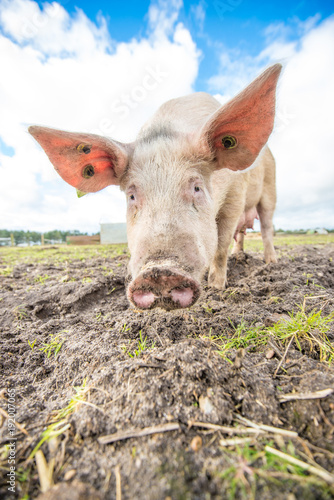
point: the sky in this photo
(74, 64)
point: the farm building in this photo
(113, 233)
(5, 241)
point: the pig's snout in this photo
(161, 287)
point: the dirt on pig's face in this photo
(172, 233)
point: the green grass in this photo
(11, 256)
(207, 308)
(125, 328)
(244, 336)
(255, 245)
(54, 346)
(311, 327)
(253, 464)
(87, 279)
(42, 279)
(60, 424)
(303, 329)
(6, 271)
(20, 312)
(32, 344)
(142, 346)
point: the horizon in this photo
(88, 233)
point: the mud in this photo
(178, 376)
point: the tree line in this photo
(33, 237)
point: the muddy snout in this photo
(163, 287)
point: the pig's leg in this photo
(226, 225)
(266, 208)
(266, 212)
(267, 232)
(238, 245)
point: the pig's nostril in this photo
(165, 287)
(143, 299)
(183, 296)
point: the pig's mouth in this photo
(161, 287)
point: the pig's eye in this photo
(197, 189)
(229, 142)
(132, 197)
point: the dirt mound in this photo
(186, 378)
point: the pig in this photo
(196, 176)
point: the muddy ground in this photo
(135, 370)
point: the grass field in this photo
(11, 256)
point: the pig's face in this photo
(165, 175)
(171, 225)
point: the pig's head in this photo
(166, 176)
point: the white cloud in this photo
(198, 11)
(65, 72)
(294, 28)
(162, 17)
(235, 72)
(51, 30)
(302, 141)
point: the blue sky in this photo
(235, 24)
(70, 64)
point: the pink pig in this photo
(187, 194)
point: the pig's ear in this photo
(237, 132)
(86, 161)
